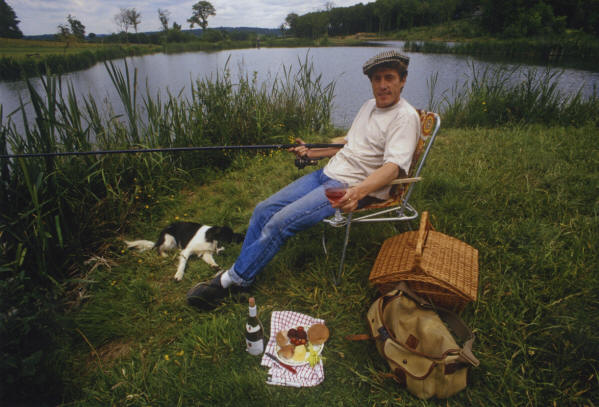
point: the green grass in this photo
(525, 196)
(21, 48)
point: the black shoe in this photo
(209, 294)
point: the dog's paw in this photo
(179, 276)
(219, 249)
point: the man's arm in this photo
(302, 151)
(378, 179)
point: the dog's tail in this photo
(141, 245)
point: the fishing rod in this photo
(300, 162)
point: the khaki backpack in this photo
(421, 351)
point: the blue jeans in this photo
(296, 207)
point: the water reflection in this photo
(174, 73)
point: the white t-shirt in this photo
(376, 137)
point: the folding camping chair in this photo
(397, 208)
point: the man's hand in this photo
(301, 150)
(378, 179)
(349, 201)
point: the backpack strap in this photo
(453, 321)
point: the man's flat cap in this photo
(384, 57)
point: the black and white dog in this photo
(192, 238)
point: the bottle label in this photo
(255, 347)
(251, 329)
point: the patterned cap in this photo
(384, 57)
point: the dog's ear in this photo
(227, 234)
(220, 233)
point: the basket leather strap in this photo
(358, 337)
(425, 226)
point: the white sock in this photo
(225, 279)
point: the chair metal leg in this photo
(324, 241)
(337, 277)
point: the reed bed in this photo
(499, 95)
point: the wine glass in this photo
(334, 194)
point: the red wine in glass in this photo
(334, 194)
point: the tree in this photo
(8, 22)
(64, 32)
(201, 11)
(163, 16)
(134, 18)
(77, 29)
(122, 20)
(291, 22)
(382, 9)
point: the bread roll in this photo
(282, 338)
(318, 334)
(286, 352)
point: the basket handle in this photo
(425, 226)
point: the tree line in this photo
(505, 18)
(125, 19)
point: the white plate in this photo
(291, 362)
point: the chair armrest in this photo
(398, 181)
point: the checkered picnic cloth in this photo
(306, 376)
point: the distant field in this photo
(28, 58)
(28, 48)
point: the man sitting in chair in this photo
(378, 148)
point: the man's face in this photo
(386, 86)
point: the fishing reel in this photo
(301, 162)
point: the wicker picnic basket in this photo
(438, 267)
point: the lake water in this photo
(175, 73)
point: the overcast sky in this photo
(43, 16)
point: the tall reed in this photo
(492, 96)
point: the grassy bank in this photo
(552, 50)
(27, 58)
(525, 196)
(464, 37)
(85, 323)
